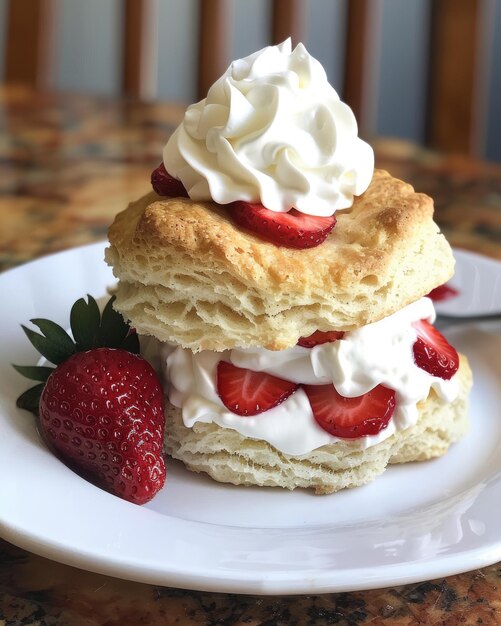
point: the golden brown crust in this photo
(384, 253)
(361, 243)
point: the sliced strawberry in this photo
(166, 185)
(433, 353)
(246, 392)
(292, 229)
(443, 292)
(319, 337)
(350, 418)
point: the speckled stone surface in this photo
(67, 165)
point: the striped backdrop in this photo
(87, 49)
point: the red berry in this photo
(246, 392)
(433, 353)
(350, 418)
(443, 292)
(319, 337)
(166, 185)
(292, 229)
(102, 411)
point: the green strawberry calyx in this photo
(89, 329)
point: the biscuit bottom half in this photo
(227, 456)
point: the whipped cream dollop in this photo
(379, 353)
(272, 130)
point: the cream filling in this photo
(379, 353)
(272, 130)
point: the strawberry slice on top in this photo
(166, 185)
(319, 337)
(246, 392)
(350, 418)
(292, 229)
(433, 353)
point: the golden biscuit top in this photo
(189, 275)
(384, 218)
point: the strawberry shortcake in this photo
(284, 281)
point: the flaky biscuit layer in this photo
(229, 457)
(189, 275)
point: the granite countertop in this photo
(68, 164)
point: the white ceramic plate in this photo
(416, 522)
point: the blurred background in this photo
(424, 70)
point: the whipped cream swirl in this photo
(379, 353)
(272, 130)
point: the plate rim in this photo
(324, 581)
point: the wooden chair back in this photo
(457, 61)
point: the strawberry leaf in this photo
(34, 372)
(131, 343)
(84, 321)
(90, 330)
(30, 399)
(113, 328)
(55, 344)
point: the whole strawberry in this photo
(101, 408)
